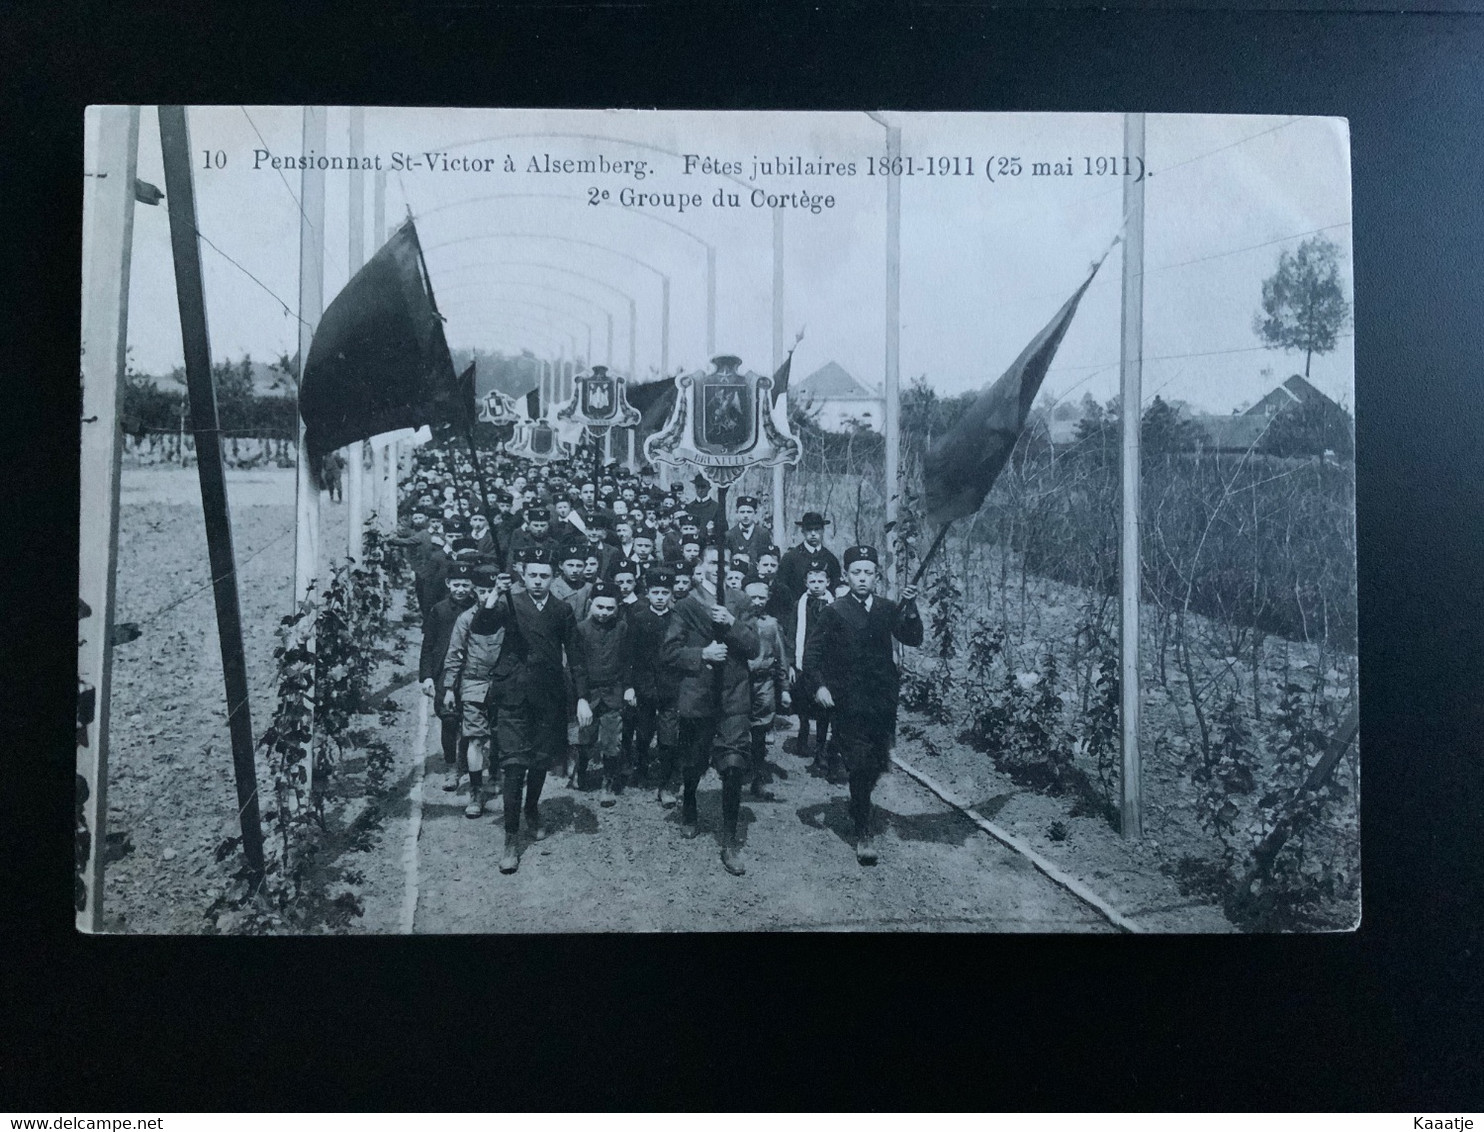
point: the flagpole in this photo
(931, 551)
(779, 533)
(311, 306)
(384, 454)
(175, 151)
(356, 256)
(891, 425)
(1129, 562)
(109, 212)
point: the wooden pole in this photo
(386, 482)
(891, 425)
(779, 533)
(1129, 565)
(108, 228)
(175, 150)
(355, 505)
(311, 306)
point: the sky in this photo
(542, 260)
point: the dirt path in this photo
(627, 868)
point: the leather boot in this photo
(731, 853)
(509, 854)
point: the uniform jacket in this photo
(473, 646)
(437, 628)
(530, 668)
(792, 568)
(691, 629)
(523, 540)
(751, 545)
(607, 660)
(703, 511)
(416, 548)
(851, 655)
(577, 597)
(769, 669)
(652, 680)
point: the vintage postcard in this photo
(506, 521)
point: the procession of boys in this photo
(587, 629)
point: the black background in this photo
(1387, 1018)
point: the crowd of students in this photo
(594, 625)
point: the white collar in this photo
(542, 603)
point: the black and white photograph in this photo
(578, 521)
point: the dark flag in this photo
(962, 465)
(780, 378)
(379, 360)
(533, 404)
(654, 400)
(454, 408)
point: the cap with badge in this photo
(537, 556)
(660, 576)
(623, 566)
(461, 546)
(538, 515)
(574, 552)
(645, 534)
(770, 549)
(861, 554)
(603, 589)
(460, 571)
(485, 577)
(747, 501)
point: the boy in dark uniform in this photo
(655, 686)
(710, 640)
(852, 664)
(797, 558)
(528, 690)
(609, 688)
(748, 537)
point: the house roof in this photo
(831, 380)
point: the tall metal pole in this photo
(175, 149)
(112, 153)
(665, 326)
(1131, 391)
(633, 338)
(356, 256)
(710, 301)
(780, 535)
(891, 390)
(311, 306)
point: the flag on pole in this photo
(379, 360)
(654, 400)
(533, 404)
(962, 465)
(780, 378)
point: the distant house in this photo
(837, 400)
(1294, 391)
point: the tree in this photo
(1303, 304)
(1163, 430)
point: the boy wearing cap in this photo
(473, 650)
(570, 586)
(854, 669)
(607, 680)
(796, 558)
(531, 537)
(748, 536)
(709, 642)
(703, 507)
(655, 687)
(437, 628)
(528, 689)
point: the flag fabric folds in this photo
(379, 359)
(962, 465)
(533, 404)
(654, 400)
